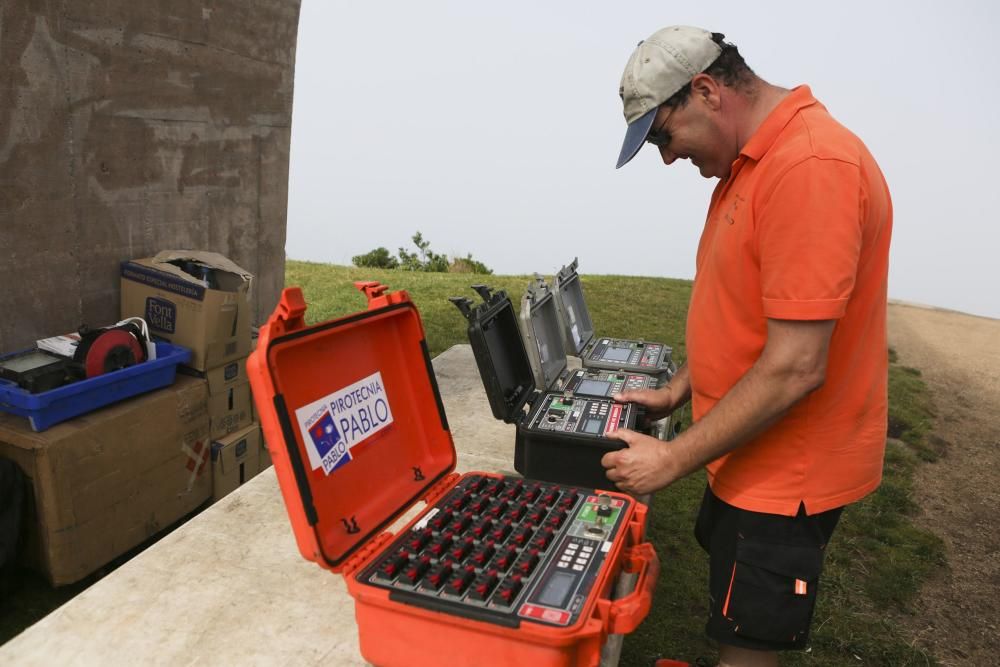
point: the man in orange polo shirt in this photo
(787, 357)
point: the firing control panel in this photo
(627, 353)
(505, 550)
(581, 415)
(593, 382)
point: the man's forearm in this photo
(680, 387)
(788, 370)
(755, 402)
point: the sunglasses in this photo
(658, 136)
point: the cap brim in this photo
(635, 136)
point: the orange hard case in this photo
(340, 519)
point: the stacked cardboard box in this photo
(236, 459)
(201, 300)
(108, 480)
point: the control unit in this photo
(561, 436)
(594, 416)
(601, 352)
(543, 337)
(504, 548)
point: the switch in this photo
(415, 570)
(462, 548)
(498, 508)
(462, 523)
(460, 580)
(419, 539)
(436, 576)
(522, 535)
(483, 585)
(481, 528)
(391, 567)
(442, 519)
(438, 547)
(482, 555)
(604, 506)
(508, 591)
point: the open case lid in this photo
(355, 404)
(543, 333)
(578, 328)
(500, 353)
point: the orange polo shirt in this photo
(798, 231)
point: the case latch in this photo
(566, 272)
(484, 292)
(376, 294)
(372, 289)
(290, 313)
(537, 289)
(463, 304)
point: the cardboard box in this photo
(210, 315)
(235, 459)
(109, 480)
(230, 403)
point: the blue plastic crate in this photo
(56, 405)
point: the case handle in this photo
(628, 612)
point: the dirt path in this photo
(958, 613)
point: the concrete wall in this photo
(128, 127)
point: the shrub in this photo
(468, 265)
(378, 258)
(424, 259)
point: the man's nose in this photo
(667, 155)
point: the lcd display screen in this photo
(555, 591)
(28, 361)
(592, 426)
(593, 388)
(617, 353)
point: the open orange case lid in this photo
(352, 414)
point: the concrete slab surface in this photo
(229, 587)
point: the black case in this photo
(565, 458)
(581, 338)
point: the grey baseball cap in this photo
(658, 68)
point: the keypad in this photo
(575, 557)
(484, 544)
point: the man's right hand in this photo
(658, 402)
(661, 402)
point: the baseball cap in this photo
(658, 68)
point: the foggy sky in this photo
(493, 129)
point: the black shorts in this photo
(764, 573)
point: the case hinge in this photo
(360, 557)
(443, 486)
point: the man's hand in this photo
(644, 466)
(661, 402)
(658, 402)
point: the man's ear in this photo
(706, 89)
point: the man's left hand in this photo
(644, 466)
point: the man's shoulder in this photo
(814, 133)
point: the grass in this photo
(910, 413)
(877, 558)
